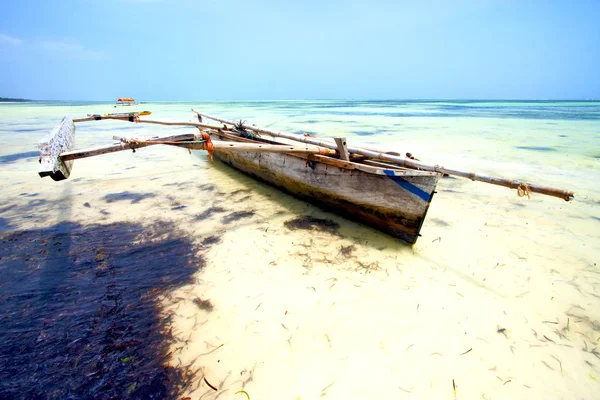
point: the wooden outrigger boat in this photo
(381, 189)
(390, 198)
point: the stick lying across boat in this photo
(381, 189)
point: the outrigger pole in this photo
(523, 188)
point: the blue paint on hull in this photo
(408, 186)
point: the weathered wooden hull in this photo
(394, 202)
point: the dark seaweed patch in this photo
(207, 187)
(79, 311)
(235, 216)
(536, 148)
(312, 223)
(243, 199)
(209, 212)
(124, 196)
(596, 218)
(7, 208)
(178, 184)
(205, 304)
(37, 202)
(210, 240)
(346, 251)
(18, 156)
(240, 191)
(29, 194)
(176, 205)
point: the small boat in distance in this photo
(126, 101)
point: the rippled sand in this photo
(500, 296)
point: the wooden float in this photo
(380, 189)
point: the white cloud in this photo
(10, 40)
(67, 48)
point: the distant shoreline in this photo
(410, 100)
(9, 100)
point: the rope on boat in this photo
(524, 190)
(207, 143)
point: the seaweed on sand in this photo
(208, 213)
(238, 191)
(203, 304)
(311, 223)
(80, 313)
(210, 240)
(234, 216)
(347, 251)
(124, 196)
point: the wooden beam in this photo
(342, 149)
(60, 140)
(97, 151)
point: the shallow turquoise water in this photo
(491, 257)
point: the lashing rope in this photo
(524, 190)
(207, 144)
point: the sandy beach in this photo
(499, 298)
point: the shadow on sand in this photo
(80, 313)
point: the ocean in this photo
(162, 272)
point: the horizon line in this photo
(18, 99)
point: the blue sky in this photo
(267, 49)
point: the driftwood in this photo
(522, 187)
